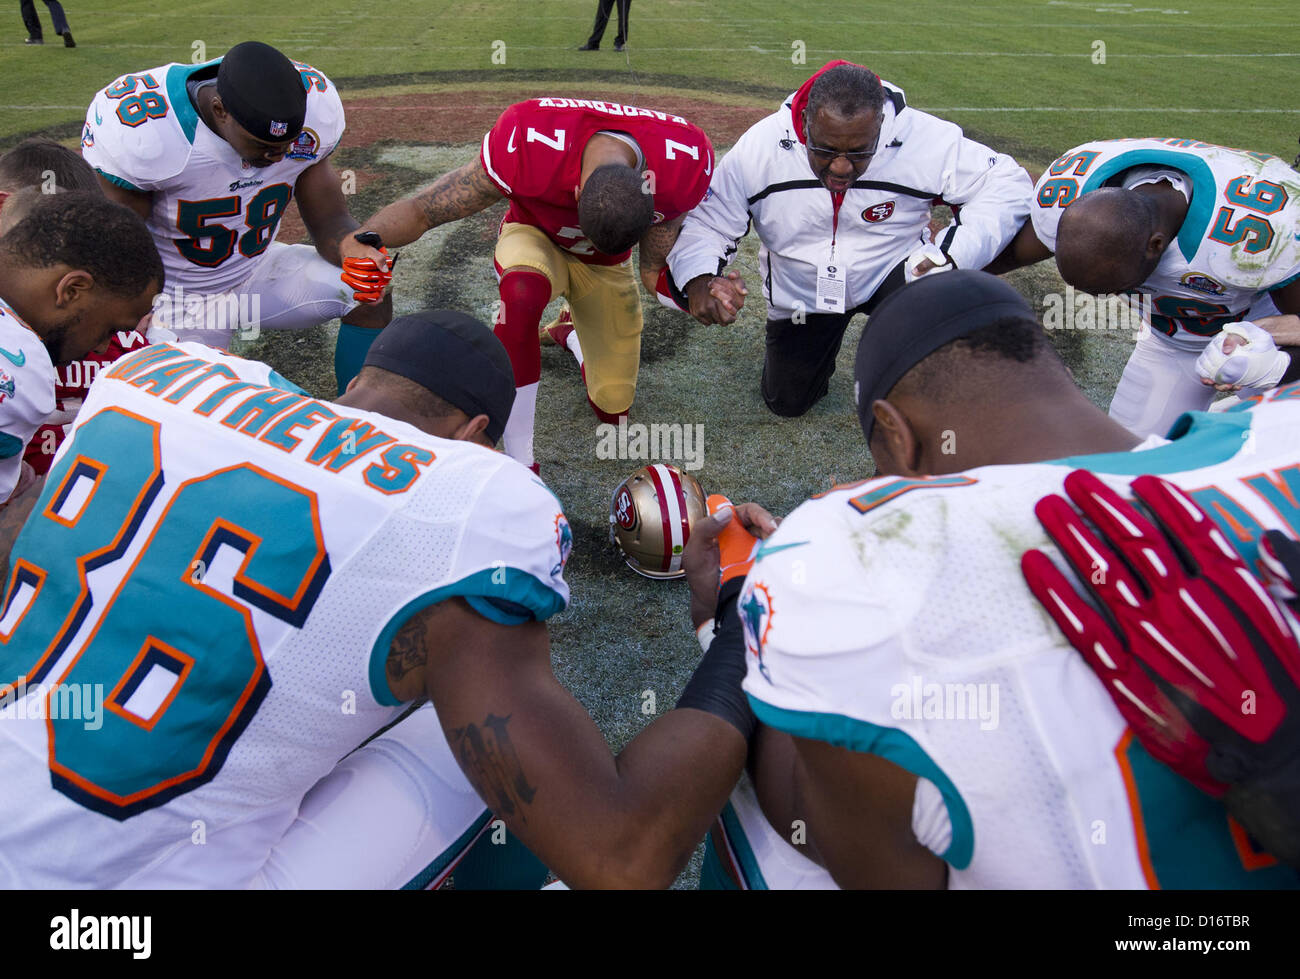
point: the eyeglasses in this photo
(824, 155)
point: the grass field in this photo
(1022, 76)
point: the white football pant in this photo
(293, 289)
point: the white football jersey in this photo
(891, 617)
(26, 393)
(1239, 238)
(213, 216)
(212, 582)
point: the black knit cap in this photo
(263, 91)
(918, 319)
(454, 356)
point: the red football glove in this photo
(1199, 660)
(366, 279)
(1280, 556)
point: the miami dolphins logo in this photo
(563, 541)
(6, 386)
(756, 617)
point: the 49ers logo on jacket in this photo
(878, 212)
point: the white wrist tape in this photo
(925, 252)
(1255, 363)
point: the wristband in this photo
(714, 687)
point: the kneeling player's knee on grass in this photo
(621, 394)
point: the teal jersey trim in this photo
(1201, 439)
(519, 587)
(499, 610)
(284, 384)
(754, 878)
(886, 742)
(1284, 283)
(118, 181)
(1205, 193)
(186, 115)
(431, 873)
(492, 864)
(10, 445)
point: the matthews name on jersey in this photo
(223, 563)
(891, 617)
(213, 217)
(534, 156)
(1239, 238)
(920, 160)
(26, 393)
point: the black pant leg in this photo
(800, 357)
(56, 14)
(799, 361)
(624, 10)
(893, 281)
(602, 19)
(30, 20)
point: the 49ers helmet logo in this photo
(624, 511)
(878, 212)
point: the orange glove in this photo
(366, 279)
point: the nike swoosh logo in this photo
(17, 359)
(98, 120)
(510, 143)
(764, 550)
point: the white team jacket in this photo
(765, 179)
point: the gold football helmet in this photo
(650, 518)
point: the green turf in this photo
(1223, 68)
(1017, 74)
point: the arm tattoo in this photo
(457, 195)
(408, 651)
(489, 759)
(658, 242)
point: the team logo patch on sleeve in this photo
(305, 146)
(756, 617)
(87, 135)
(6, 386)
(563, 541)
(878, 212)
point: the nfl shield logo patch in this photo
(879, 212)
(279, 128)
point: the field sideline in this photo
(420, 85)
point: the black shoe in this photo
(618, 46)
(586, 47)
(34, 40)
(68, 42)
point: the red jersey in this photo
(534, 156)
(72, 382)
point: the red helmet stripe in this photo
(682, 508)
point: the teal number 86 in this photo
(162, 628)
